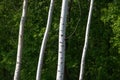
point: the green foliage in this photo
(102, 61)
(112, 16)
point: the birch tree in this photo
(86, 42)
(40, 62)
(20, 41)
(61, 51)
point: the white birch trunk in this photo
(20, 41)
(61, 51)
(40, 62)
(86, 42)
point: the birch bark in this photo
(20, 41)
(61, 51)
(40, 62)
(86, 41)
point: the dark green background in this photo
(103, 54)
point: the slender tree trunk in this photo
(20, 41)
(86, 42)
(40, 62)
(61, 51)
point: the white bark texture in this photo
(40, 62)
(61, 51)
(86, 42)
(20, 41)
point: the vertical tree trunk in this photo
(86, 42)
(40, 62)
(20, 41)
(61, 51)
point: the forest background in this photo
(103, 54)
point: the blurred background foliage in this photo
(103, 54)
